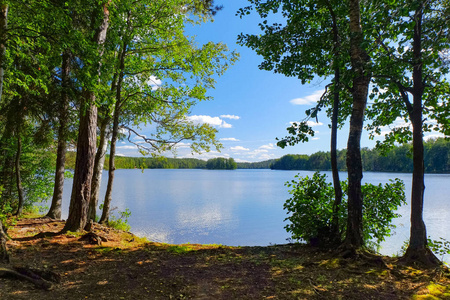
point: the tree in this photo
(360, 87)
(55, 208)
(150, 43)
(312, 40)
(86, 143)
(220, 163)
(415, 66)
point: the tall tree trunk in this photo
(418, 249)
(86, 145)
(98, 167)
(3, 35)
(55, 208)
(361, 80)
(84, 164)
(18, 177)
(112, 152)
(334, 127)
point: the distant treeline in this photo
(123, 162)
(398, 159)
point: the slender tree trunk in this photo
(112, 151)
(112, 167)
(418, 249)
(334, 127)
(112, 154)
(98, 168)
(3, 27)
(86, 146)
(18, 177)
(55, 208)
(361, 80)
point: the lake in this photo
(241, 207)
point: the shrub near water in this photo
(310, 209)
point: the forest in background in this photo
(398, 159)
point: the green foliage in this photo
(120, 222)
(440, 247)
(379, 205)
(221, 163)
(310, 209)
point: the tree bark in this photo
(112, 151)
(334, 127)
(361, 80)
(98, 168)
(81, 190)
(18, 176)
(3, 36)
(418, 250)
(55, 208)
(112, 167)
(112, 154)
(4, 255)
(87, 136)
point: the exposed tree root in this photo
(368, 258)
(420, 257)
(41, 279)
(4, 256)
(93, 238)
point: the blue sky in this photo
(252, 107)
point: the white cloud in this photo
(229, 139)
(127, 147)
(233, 117)
(433, 136)
(183, 145)
(214, 121)
(315, 139)
(312, 123)
(311, 99)
(154, 82)
(239, 148)
(258, 151)
(268, 147)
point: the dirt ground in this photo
(127, 267)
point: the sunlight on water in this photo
(242, 207)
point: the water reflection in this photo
(242, 207)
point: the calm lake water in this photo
(241, 207)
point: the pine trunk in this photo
(86, 145)
(81, 189)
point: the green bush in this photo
(121, 222)
(310, 210)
